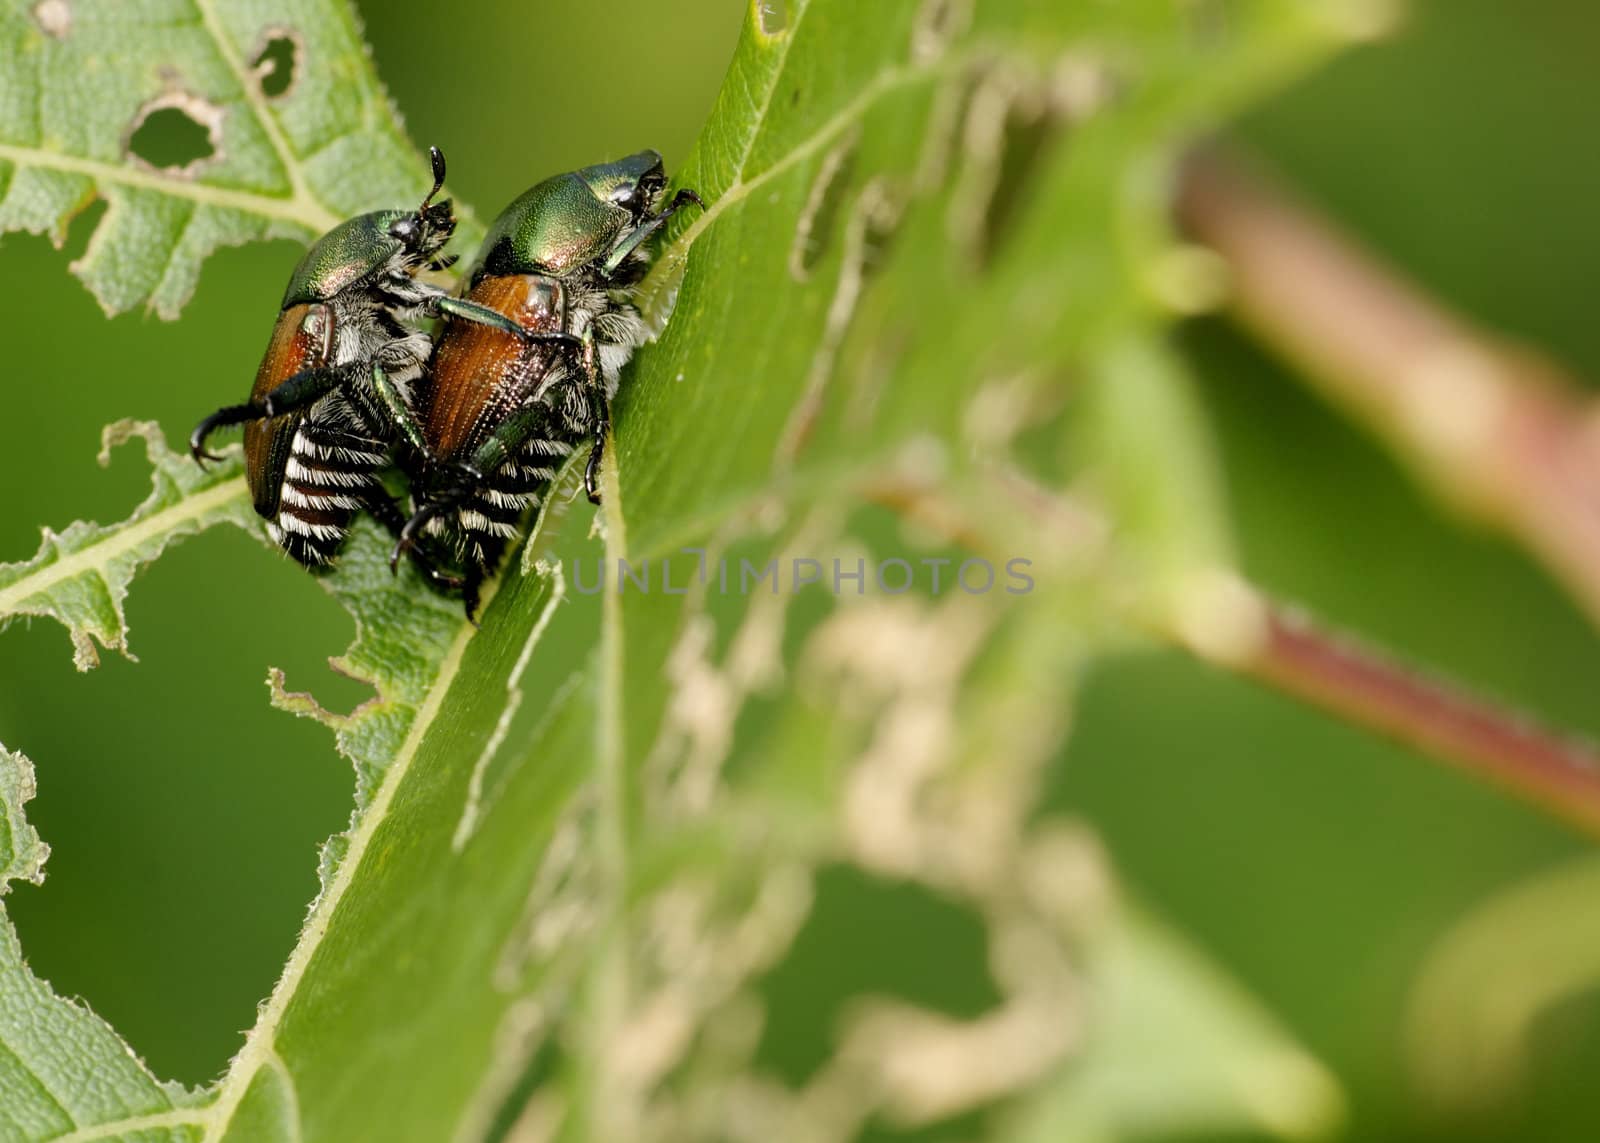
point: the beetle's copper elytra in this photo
(501, 410)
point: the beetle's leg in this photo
(502, 445)
(684, 197)
(469, 592)
(411, 531)
(464, 310)
(293, 393)
(641, 233)
(399, 409)
(221, 419)
(305, 388)
(388, 513)
(384, 510)
(600, 413)
(436, 575)
(434, 504)
(446, 306)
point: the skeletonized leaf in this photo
(88, 81)
(80, 576)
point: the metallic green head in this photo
(357, 249)
(572, 220)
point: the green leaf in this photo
(84, 79)
(1510, 962)
(923, 319)
(61, 1067)
(1179, 1049)
(80, 576)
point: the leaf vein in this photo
(255, 100)
(98, 555)
(177, 1117)
(260, 1045)
(302, 211)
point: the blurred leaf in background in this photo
(1321, 867)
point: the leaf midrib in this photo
(302, 211)
(95, 557)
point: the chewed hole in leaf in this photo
(176, 134)
(819, 220)
(938, 23)
(882, 207)
(133, 926)
(74, 229)
(277, 63)
(1031, 132)
(54, 18)
(773, 16)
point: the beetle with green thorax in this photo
(336, 380)
(497, 413)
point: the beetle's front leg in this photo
(640, 234)
(600, 412)
(463, 310)
(399, 409)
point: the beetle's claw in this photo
(408, 538)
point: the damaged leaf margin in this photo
(49, 1044)
(80, 576)
(82, 77)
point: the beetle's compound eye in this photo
(405, 229)
(639, 194)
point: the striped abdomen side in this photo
(489, 517)
(330, 474)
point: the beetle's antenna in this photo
(437, 156)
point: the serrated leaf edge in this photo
(161, 527)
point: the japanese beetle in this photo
(498, 413)
(334, 385)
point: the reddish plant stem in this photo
(1235, 627)
(1438, 719)
(1498, 430)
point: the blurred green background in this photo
(1316, 864)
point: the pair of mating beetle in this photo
(522, 371)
